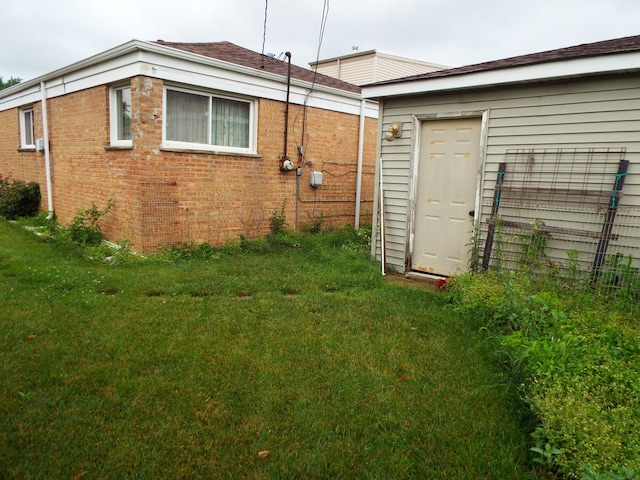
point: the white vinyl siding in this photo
(358, 70)
(388, 68)
(329, 69)
(373, 67)
(590, 113)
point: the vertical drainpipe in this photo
(285, 165)
(356, 221)
(47, 155)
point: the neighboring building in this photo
(564, 123)
(189, 143)
(372, 66)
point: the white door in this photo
(446, 194)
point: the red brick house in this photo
(191, 142)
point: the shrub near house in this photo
(572, 355)
(18, 198)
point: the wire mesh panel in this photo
(159, 215)
(561, 209)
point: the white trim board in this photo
(158, 61)
(557, 70)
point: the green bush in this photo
(85, 229)
(18, 198)
(278, 220)
(574, 361)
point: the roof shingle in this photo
(607, 47)
(231, 53)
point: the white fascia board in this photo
(245, 82)
(20, 98)
(614, 63)
(114, 53)
(114, 65)
(112, 72)
(146, 58)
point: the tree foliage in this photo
(9, 83)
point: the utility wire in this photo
(264, 29)
(323, 26)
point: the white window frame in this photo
(27, 123)
(174, 144)
(114, 118)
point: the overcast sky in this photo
(39, 36)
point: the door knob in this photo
(472, 213)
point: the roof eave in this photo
(549, 71)
(143, 46)
(203, 59)
(125, 48)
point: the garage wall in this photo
(581, 114)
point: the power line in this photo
(264, 28)
(323, 25)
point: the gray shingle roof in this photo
(607, 47)
(231, 53)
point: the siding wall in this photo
(373, 67)
(388, 68)
(357, 70)
(590, 113)
(163, 197)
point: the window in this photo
(121, 116)
(27, 138)
(198, 120)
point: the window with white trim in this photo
(27, 137)
(207, 121)
(121, 116)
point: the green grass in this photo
(188, 369)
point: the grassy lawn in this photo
(189, 369)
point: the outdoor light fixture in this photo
(393, 131)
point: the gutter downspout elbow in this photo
(47, 154)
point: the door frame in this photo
(417, 122)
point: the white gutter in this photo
(47, 155)
(556, 70)
(356, 222)
(171, 52)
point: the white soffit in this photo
(150, 59)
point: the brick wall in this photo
(25, 165)
(161, 198)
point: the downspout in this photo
(356, 221)
(47, 155)
(285, 163)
